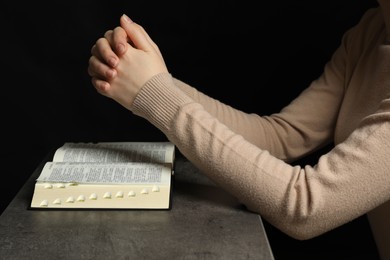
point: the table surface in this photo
(204, 222)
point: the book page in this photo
(159, 152)
(106, 173)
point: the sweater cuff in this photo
(159, 100)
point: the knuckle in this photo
(140, 27)
(118, 29)
(93, 49)
(108, 33)
(100, 42)
(91, 61)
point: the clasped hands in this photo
(123, 61)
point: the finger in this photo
(100, 70)
(100, 85)
(151, 42)
(94, 52)
(104, 51)
(119, 40)
(135, 34)
(108, 35)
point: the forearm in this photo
(288, 135)
(302, 202)
(250, 126)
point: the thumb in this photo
(135, 34)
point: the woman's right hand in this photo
(123, 61)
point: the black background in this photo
(254, 55)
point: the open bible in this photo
(117, 175)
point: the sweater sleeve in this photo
(301, 127)
(303, 202)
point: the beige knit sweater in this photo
(251, 155)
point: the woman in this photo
(249, 155)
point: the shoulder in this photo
(370, 27)
(368, 32)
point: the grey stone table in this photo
(204, 222)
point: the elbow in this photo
(302, 233)
(305, 228)
(299, 227)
